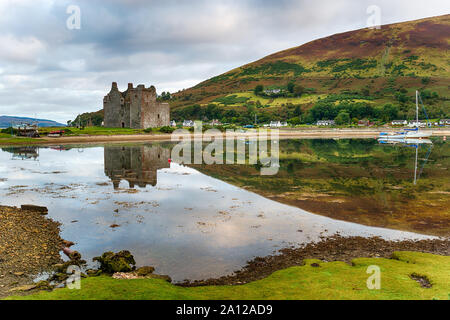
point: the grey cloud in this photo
(59, 73)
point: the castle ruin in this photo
(134, 108)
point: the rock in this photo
(62, 267)
(67, 244)
(60, 277)
(157, 276)
(23, 288)
(93, 273)
(73, 255)
(59, 267)
(30, 207)
(125, 275)
(144, 271)
(44, 285)
(111, 262)
(134, 275)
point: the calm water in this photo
(185, 223)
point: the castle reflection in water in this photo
(136, 164)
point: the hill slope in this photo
(386, 65)
(6, 121)
(90, 118)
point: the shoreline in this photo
(18, 271)
(407, 263)
(283, 134)
(330, 249)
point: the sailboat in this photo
(409, 133)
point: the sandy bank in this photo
(283, 134)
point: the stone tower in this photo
(134, 108)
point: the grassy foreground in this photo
(332, 280)
(6, 139)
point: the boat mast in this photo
(417, 108)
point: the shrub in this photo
(425, 81)
(8, 130)
(166, 129)
(342, 118)
(258, 89)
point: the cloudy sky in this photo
(51, 71)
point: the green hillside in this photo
(366, 74)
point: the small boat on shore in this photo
(56, 134)
(415, 133)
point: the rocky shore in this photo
(29, 244)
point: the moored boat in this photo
(415, 133)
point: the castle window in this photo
(123, 124)
(158, 116)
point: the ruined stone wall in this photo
(114, 108)
(158, 115)
(135, 97)
(154, 113)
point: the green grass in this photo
(7, 139)
(231, 100)
(332, 280)
(275, 68)
(92, 131)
